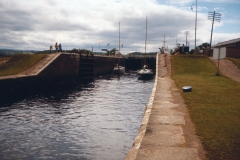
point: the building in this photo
(183, 49)
(230, 48)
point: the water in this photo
(98, 121)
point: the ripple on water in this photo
(96, 121)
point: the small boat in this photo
(119, 69)
(145, 73)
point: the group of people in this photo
(57, 48)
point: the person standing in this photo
(60, 47)
(56, 47)
(50, 49)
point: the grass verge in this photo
(235, 61)
(19, 63)
(213, 104)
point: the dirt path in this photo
(228, 68)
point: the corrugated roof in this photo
(227, 42)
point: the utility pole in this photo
(213, 16)
(186, 32)
(195, 27)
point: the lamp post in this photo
(195, 27)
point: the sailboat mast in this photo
(146, 36)
(119, 38)
(145, 42)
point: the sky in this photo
(94, 24)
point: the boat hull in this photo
(119, 70)
(145, 74)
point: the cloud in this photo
(223, 1)
(82, 24)
(15, 23)
(51, 2)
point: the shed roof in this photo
(227, 42)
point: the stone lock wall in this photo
(104, 65)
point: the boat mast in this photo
(119, 38)
(145, 42)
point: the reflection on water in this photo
(95, 121)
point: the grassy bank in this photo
(19, 63)
(235, 61)
(213, 104)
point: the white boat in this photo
(119, 69)
(145, 73)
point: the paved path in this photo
(167, 132)
(36, 68)
(228, 68)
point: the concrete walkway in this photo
(166, 132)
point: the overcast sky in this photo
(37, 24)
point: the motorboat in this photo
(145, 73)
(119, 69)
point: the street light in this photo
(195, 26)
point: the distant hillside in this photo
(9, 52)
(141, 54)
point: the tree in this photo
(81, 51)
(192, 51)
(204, 45)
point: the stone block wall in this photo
(66, 65)
(104, 65)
